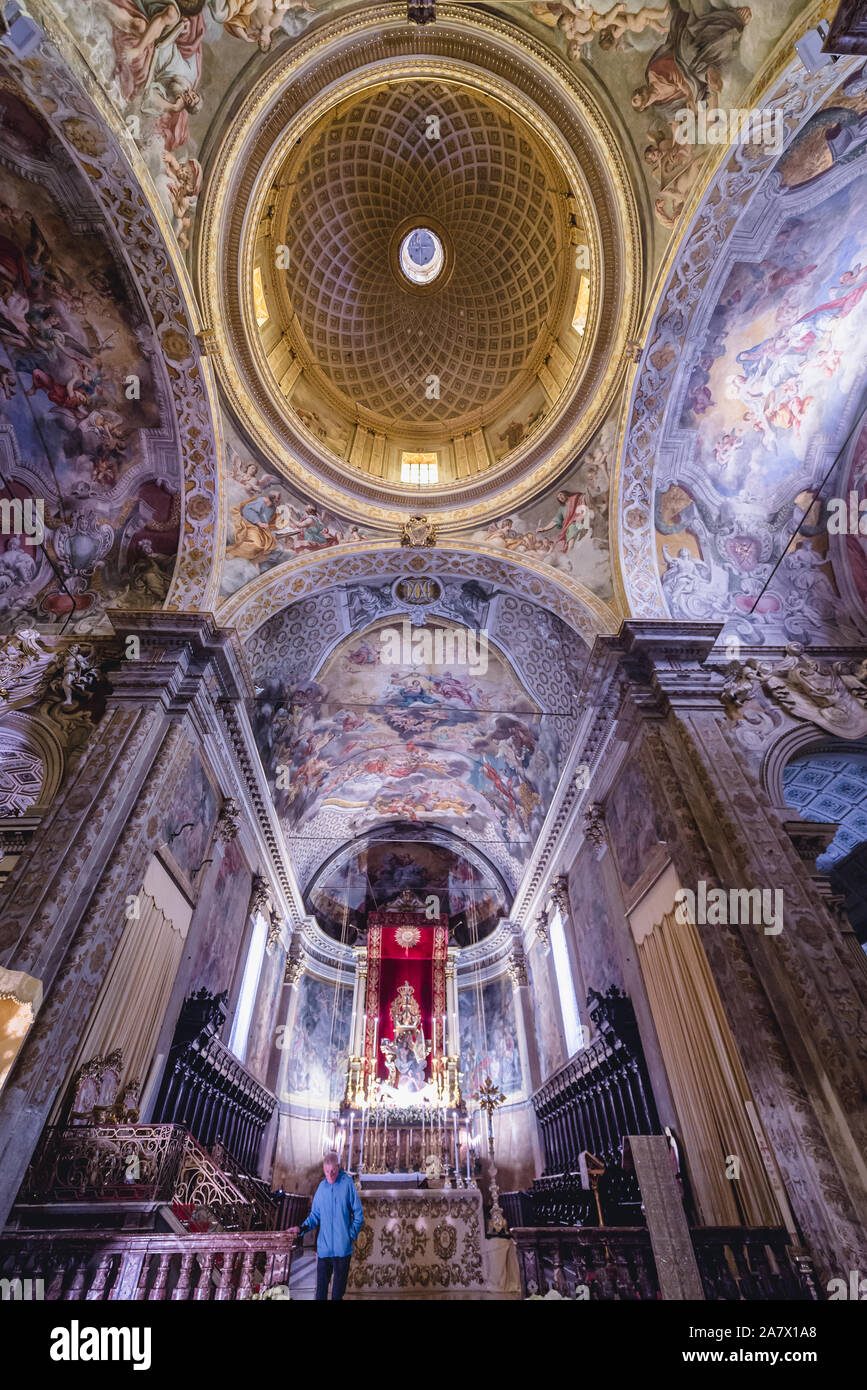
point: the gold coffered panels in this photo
(506, 366)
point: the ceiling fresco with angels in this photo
(86, 439)
(408, 865)
(424, 724)
(760, 427)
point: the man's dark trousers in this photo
(338, 1265)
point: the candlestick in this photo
(375, 1056)
(468, 1150)
(457, 1149)
(363, 1119)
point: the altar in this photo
(403, 1112)
(428, 1243)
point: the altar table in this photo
(429, 1243)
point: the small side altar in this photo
(418, 1243)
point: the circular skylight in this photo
(421, 256)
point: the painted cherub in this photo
(581, 23)
(255, 21)
(184, 184)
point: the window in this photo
(421, 256)
(422, 470)
(249, 986)
(582, 306)
(262, 315)
(572, 1029)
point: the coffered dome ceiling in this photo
(438, 156)
(484, 372)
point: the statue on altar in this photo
(407, 1052)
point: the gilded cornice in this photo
(356, 51)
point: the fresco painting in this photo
(225, 910)
(319, 1043)
(660, 59)
(568, 529)
(594, 924)
(371, 741)
(269, 522)
(546, 1012)
(772, 386)
(186, 830)
(79, 404)
(371, 877)
(166, 64)
(489, 1038)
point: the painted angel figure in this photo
(582, 22)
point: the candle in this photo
(363, 1119)
(457, 1147)
(351, 1132)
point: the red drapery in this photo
(404, 948)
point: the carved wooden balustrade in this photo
(611, 1262)
(616, 1262)
(600, 1095)
(144, 1166)
(148, 1267)
(207, 1090)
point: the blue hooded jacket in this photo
(337, 1212)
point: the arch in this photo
(261, 599)
(693, 264)
(34, 735)
(93, 136)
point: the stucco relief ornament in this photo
(294, 970)
(23, 663)
(517, 970)
(275, 934)
(541, 928)
(834, 697)
(228, 821)
(418, 532)
(594, 826)
(260, 898)
(558, 895)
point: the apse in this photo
(442, 871)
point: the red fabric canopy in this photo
(404, 948)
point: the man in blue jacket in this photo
(337, 1212)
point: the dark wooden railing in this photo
(600, 1095)
(128, 1167)
(602, 1262)
(208, 1091)
(113, 1266)
(616, 1262)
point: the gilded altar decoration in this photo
(407, 936)
(405, 1012)
(406, 1053)
(419, 531)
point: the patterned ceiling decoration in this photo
(335, 366)
(435, 154)
(751, 382)
(831, 787)
(22, 773)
